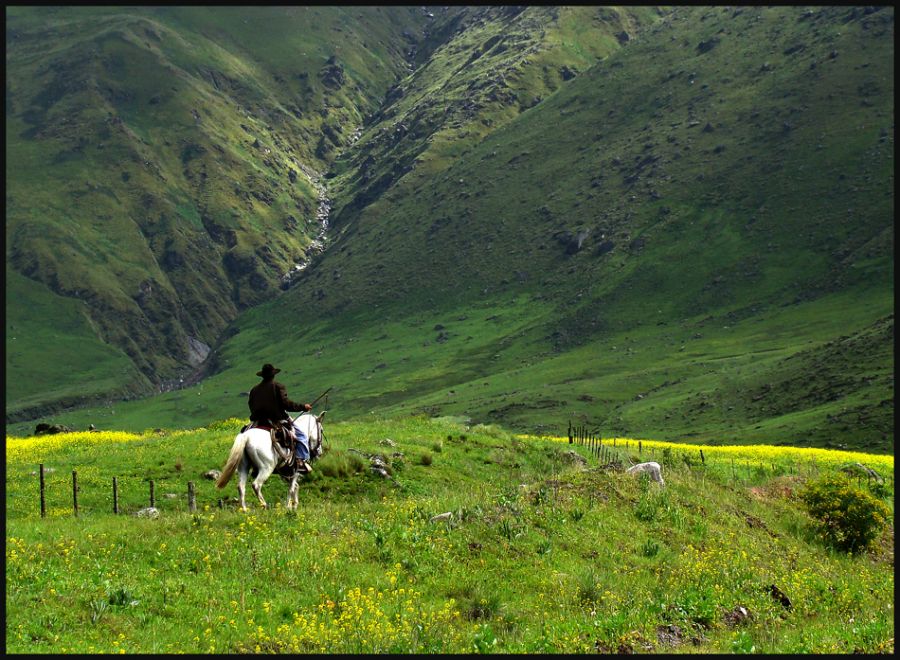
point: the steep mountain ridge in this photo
(164, 161)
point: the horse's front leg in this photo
(293, 499)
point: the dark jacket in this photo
(269, 401)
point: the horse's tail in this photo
(234, 458)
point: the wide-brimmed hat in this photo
(267, 371)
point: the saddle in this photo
(283, 440)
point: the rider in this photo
(269, 403)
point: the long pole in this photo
(43, 501)
(318, 398)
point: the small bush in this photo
(650, 548)
(338, 465)
(848, 518)
(588, 590)
(437, 447)
(426, 459)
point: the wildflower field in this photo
(543, 546)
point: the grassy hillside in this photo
(673, 223)
(537, 553)
(166, 160)
(719, 187)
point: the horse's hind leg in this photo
(242, 483)
(257, 483)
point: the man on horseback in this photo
(269, 404)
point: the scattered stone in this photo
(50, 429)
(708, 128)
(864, 469)
(387, 442)
(567, 73)
(739, 615)
(708, 45)
(574, 457)
(171, 496)
(651, 467)
(149, 512)
(441, 517)
(212, 475)
(670, 635)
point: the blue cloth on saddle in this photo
(302, 447)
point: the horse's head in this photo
(320, 416)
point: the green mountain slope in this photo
(715, 193)
(163, 161)
(674, 223)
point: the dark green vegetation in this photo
(673, 223)
(849, 518)
(531, 552)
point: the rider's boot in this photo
(303, 464)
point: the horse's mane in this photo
(307, 422)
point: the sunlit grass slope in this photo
(533, 554)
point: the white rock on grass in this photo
(149, 512)
(651, 468)
(442, 517)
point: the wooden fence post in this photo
(571, 440)
(152, 493)
(192, 498)
(43, 501)
(702, 459)
(75, 491)
(115, 495)
(640, 448)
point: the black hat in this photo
(268, 371)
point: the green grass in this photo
(537, 556)
(66, 352)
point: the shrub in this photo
(848, 518)
(426, 459)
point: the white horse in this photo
(253, 451)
